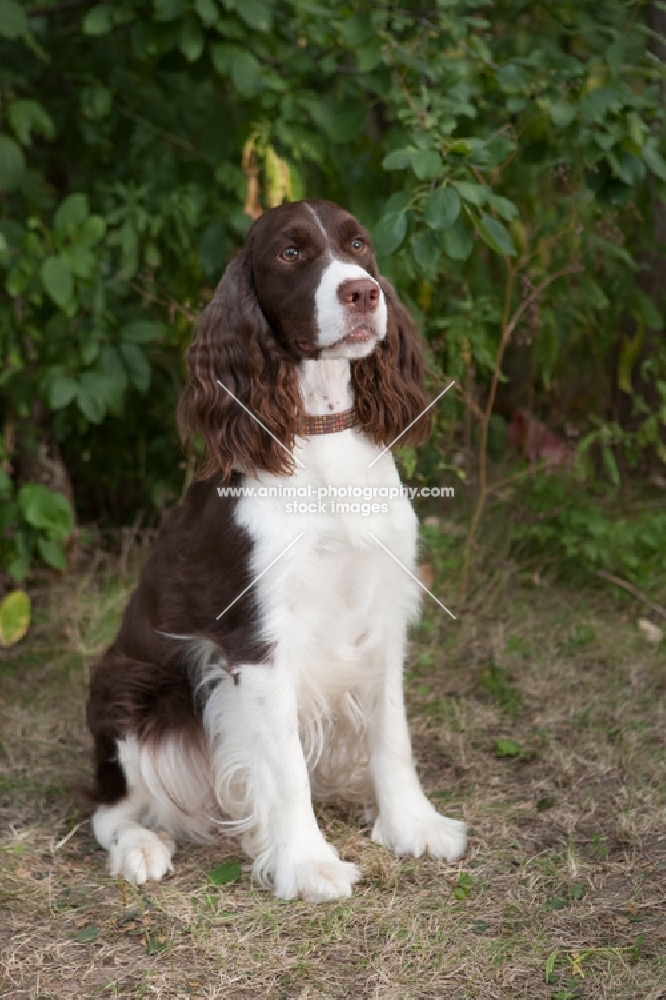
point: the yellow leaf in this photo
(425, 295)
(14, 617)
(278, 178)
(628, 353)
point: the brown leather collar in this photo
(328, 423)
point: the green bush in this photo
(577, 531)
(505, 155)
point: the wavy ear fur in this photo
(388, 384)
(234, 343)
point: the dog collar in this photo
(328, 423)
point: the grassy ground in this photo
(539, 716)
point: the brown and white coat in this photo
(259, 663)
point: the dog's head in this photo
(304, 287)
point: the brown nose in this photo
(360, 294)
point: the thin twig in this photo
(174, 140)
(67, 837)
(508, 327)
(531, 470)
(59, 8)
(527, 302)
(657, 608)
(168, 302)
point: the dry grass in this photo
(562, 893)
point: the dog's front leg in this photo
(406, 821)
(262, 780)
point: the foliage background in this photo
(508, 157)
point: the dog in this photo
(259, 664)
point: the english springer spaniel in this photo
(259, 662)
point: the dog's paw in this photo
(315, 875)
(318, 880)
(421, 831)
(139, 855)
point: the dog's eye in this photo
(357, 244)
(291, 253)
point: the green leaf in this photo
(654, 159)
(142, 331)
(98, 20)
(12, 163)
(50, 512)
(341, 124)
(442, 208)
(155, 945)
(71, 214)
(399, 159)
(169, 10)
(479, 47)
(475, 194)
(129, 249)
(137, 366)
(110, 368)
(86, 934)
(62, 390)
(507, 748)
(57, 280)
(105, 386)
(427, 165)
(357, 29)
(562, 113)
(369, 56)
(90, 404)
(81, 262)
(90, 349)
(26, 117)
(398, 202)
(502, 206)
(459, 240)
(556, 903)
(207, 11)
(13, 19)
(495, 235)
(427, 253)
(191, 39)
(256, 13)
(348, 122)
(610, 464)
(96, 102)
(17, 562)
(654, 319)
(637, 129)
(14, 617)
(6, 487)
(52, 553)
(463, 146)
(389, 233)
(213, 248)
(245, 73)
(91, 232)
(629, 168)
(222, 57)
(230, 871)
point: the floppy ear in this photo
(235, 345)
(388, 384)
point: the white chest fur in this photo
(333, 593)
